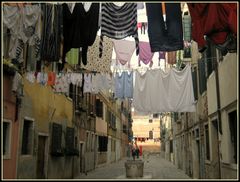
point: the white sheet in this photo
(157, 91)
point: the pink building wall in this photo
(9, 109)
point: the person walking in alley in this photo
(137, 150)
(133, 150)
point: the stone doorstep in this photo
(145, 176)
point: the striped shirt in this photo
(119, 22)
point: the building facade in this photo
(146, 127)
(10, 123)
(205, 142)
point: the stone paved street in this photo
(154, 168)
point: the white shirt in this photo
(87, 88)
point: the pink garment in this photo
(145, 54)
(124, 50)
(139, 25)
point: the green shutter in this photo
(194, 79)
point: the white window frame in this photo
(7, 155)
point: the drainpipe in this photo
(215, 64)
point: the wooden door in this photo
(41, 157)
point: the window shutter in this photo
(209, 60)
(202, 76)
(71, 91)
(175, 116)
(210, 56)
(187, 52)
(99, 108)
(56, 139)
(69, 138)
(187, 27)
(102, 143)
(194, 79)
(114, 121)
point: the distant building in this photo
(146, 127)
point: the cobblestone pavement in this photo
(155, 167)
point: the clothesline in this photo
(209, 58)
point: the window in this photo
(195, 86)
(232, 117)
(186, 20)
(69, 139)
(56, 139)
(88, 102)
(6, 138)
(175, 116)
(113, 146)
(111, 118)
(150, 134)
(88, 142)
(113, 121)
(122, 106)
(99, 108)
(102, 143)
(156, 115)
(6, 40)
(202, 76)
(150, 120)
(77, 101)
(171, 146)
(187, 52)
(71, 90)
(124, 129)
(207, 147)
(27, 137)
(93, 143)
(210, 56)
(197, 133)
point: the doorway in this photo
(81, 158)
(215, 148)
(42, 157)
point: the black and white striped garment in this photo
(19, 50)
(119, 22)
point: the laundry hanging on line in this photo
(165, 36)
(95, 63)
(123, 85)
(95, 83)
(124, 50)
(79, 28)
(118, 22)
(51, 32)
(24, 25)
(217, 21)
(145, 54)
(156, 91)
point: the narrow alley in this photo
(155, 167)
(120, 90)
